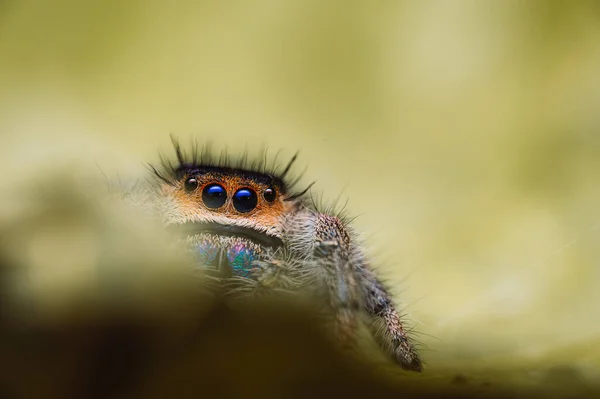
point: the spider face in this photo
(231, 218)
(230, 197)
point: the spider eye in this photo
(214, 196)
(190, 184)
(269, 194)
(244, 200)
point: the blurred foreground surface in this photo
(97, 301)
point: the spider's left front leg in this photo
(386, 323)
(354, 288)
(335, 259)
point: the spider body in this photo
(248, 225)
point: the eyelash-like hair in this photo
(337, 207)
(203, 158)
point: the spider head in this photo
(235, 199)
(230, 217)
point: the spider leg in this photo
(386, 323)
(352, 287)
(334, 257)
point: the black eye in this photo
(190, 184)
(244, 200)
(214, 196)
(269, 194)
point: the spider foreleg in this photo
(387, 325)
(334, 258)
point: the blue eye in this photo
(214, 196)
(245, 200)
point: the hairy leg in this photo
(386, 323)
(354, 288)
(322, 255)
(334, 258)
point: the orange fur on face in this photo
(265, 217)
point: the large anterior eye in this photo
(244, 200)
(214, 196)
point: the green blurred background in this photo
(464, 134)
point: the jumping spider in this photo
(246, 223)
